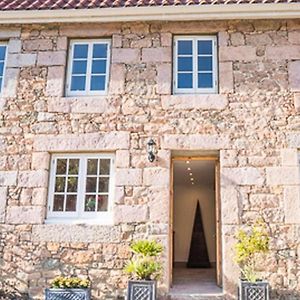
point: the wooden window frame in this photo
(195, 89)
(80, 216)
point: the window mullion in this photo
(195, 64)
(89, 67)
(81, 186)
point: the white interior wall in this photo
(185, 201)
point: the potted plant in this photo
(252, 243)
(68, 288)
(144, 269)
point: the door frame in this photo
(219, 272)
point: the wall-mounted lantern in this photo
(151, 150)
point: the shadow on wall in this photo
(285, 295)
(11, 294)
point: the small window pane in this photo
(81, 51)
(204, 47)
(79, 67)
(90, 203)
(72, 184)
(58, 204)
(92, 166)
(205, 80)
(102, 203)
(60, 184)
(185, 63)
(204, 63)
(104, 166)
(73, 166)
(78, 83)
(1, 68)
(91, 183)
(185, 81)
(99, 67)
(0, 83)
(185, 47)
(98, 83)
(100, 51)
(103, 184)
(2, 52)
(71, 203)
(61, 167)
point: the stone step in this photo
(194, 297)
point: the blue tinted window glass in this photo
(0, 83)
(2, 52)
(185, 80)
(81, 51)
(205, 80)
(79, 67)
(204, 47)
(98, 83)
(100, 51)
(78, 83)
(185, 47)
(1, 68)
(185, 63)
(204, 63)
(99, 66)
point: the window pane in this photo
(92, 166)
(98, 83)
(102, 203)
(2, 52)
(78, 83)
(204, 47)
(72, 184)
(99, 66)
(71, 203)
(79, 67)
(204, 63)
(205, 80)
(104, 166)
(91, 183)
(185, 47)
(100, 51)
(103, 184)
(0, 83)
(73, 166)
(1, 68)
(81, 51)
(58, 204)
(61, 166)
(185, 81)
(90, 203)
(185, 63)
(60, 184)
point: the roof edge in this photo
(154, 13)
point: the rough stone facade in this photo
(253, 123)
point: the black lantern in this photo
(151, 149)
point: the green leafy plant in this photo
(144, 265)
(61, 282)
(250, 244)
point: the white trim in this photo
(80, 216)
(4, 66)
(195, 89)
(87, 91)
(162, 13)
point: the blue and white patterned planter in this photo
(254, 291)
(141, 290)
(68, 294)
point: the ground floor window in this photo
(80, 186)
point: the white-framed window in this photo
(81, 188)
(195, 64)
(88, 67)
(3, 50)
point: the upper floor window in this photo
(195, 64)
(88, 70)
(3, 49)
(80, 187)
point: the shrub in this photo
(61, 282)
(144, 265)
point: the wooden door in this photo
(218, 226)
(171, 228)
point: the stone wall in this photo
(253, 123)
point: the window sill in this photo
(105, 221)
(195, 101)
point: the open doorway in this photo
(196, 258)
